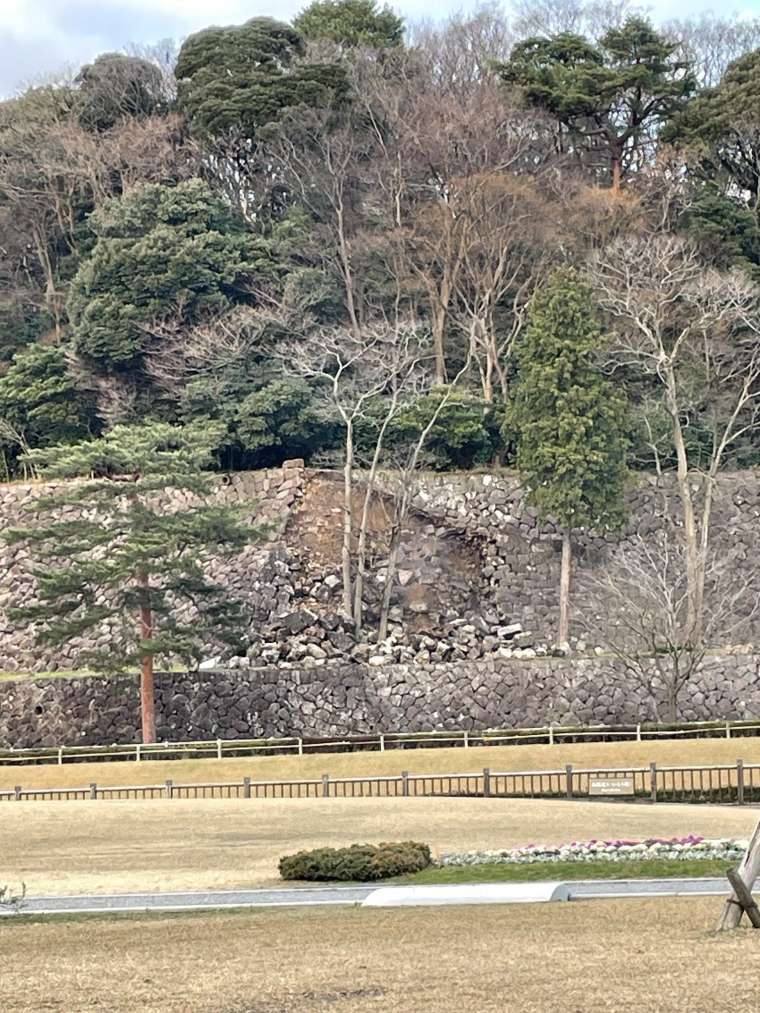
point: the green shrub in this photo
(358, 863)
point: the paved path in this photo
(198, 900)
(346, 895)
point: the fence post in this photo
(382, 742)
(60, 755)
(300, 747)
(653, 781)
(405, 783)
(551, 733)
(218, 749)
(569, 780)
(93, 790)
(246, 787)
(740, 782)
(466, 737)
(486, 782)
(638, 732)
(17, 792)
(325, 785)
(138, 752)
(169, 788)
(728, 730)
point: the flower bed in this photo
(684, 848)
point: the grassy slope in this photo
(666, 752)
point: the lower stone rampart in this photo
(341, 699)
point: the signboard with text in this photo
(622, 785)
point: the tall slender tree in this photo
(113, 552)
(569, 420)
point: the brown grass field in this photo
(100, 847)
(643, 955)
(421, 761)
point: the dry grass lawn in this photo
(647, 955)
(100, 847)
(422, 761)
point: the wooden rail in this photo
(552, 735)
(737, 784)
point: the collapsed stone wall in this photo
(340, 699)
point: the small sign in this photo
(610, 786)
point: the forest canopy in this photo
(175, 234)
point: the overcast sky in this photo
(42, 36)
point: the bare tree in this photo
(641, 602)
(695, 333)
(403, 481)
(434, 130)
(323, 166)
(164, 55)
(178, 354)
(14, 436)
(710, 42)
(460, 51)
(503, 226)
(551, 17)
(378, 369)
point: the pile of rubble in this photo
(306, 638)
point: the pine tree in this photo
(127, 545)
(608, 98)
(569, 420)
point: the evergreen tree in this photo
(127, 546)
(115, 86)
(720, 129)
(232, 81)
(350, 23)
(39, 402)
(724, 228)
(610, 96)
(161, 252)
(569, 420)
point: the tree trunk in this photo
(348, 518)
(438, 327)
(694, 571)
(563, 635)
(147, 686)
(617, 171)
(361, 547)
(148, 699)
(385, 605)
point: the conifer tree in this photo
(569, 421)
(126, 545)
(608, 98)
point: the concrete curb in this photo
(467, 893)
(370, 895)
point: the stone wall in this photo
(254, 575)
(337, 700)
(475, 562)
(521, 555)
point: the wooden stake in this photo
(744, 897)
(747, 872)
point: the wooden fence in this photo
(552, 735)
(737, 783)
